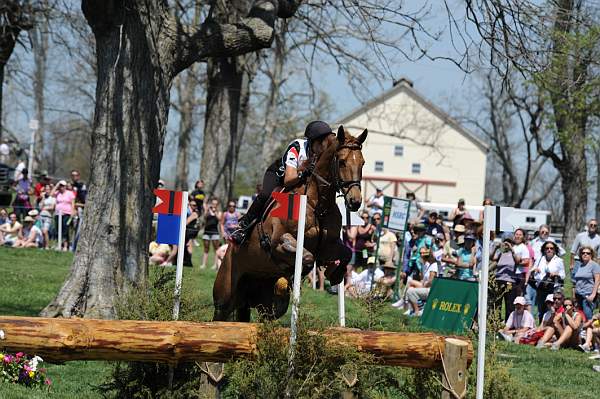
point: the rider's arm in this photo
(291, 176)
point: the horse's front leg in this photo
(285, 252)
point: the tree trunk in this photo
(597, 208)
(181, 341)
(224, 84)
(39, 44)
(574, 187)
(186, 90)
(1, 98)
(132, 99)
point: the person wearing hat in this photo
(419, 288)
(360, 284)
(285, 171)
(451, 245)
(32, 236)
(505, 291)
(519, 322)
(466, 260)
(420, 241)
(548, 274)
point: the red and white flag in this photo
(288, 206)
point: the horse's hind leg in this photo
(242, 314)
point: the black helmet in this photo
(317, 129)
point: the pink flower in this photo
(47, 381)
(19, 355)
(8, 359)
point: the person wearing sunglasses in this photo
(587, 280)
(590, 238)
(567, 326)
(543, 236)
(363, 243)
(548, 274)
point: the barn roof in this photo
(406, 86)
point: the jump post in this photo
(61, 340)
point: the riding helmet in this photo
(317, 129)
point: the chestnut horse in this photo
(258, 276)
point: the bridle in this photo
(339, 184)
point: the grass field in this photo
(30, 278)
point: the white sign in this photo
(34, 124)
(503, 218)
(398, 214)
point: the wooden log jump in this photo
(60, 340)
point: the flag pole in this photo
(180, 251)
(296, 291)
(341, 294)
(488, 214)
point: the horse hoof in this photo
(335, 274)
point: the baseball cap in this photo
(520, 301)
(28, 219)
(550, 298)
(371, 260)
(62, 183)
(33, 213)
(459, 228)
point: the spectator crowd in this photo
(44, 212)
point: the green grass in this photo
(31, 277)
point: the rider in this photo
(284, 172)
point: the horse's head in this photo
(349, 166)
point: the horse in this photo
(257, 274)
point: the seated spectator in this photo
(420, 289)
(568, 325)
(547, 324)
(592, 333)
(31, 237)
(519, 322)
(385, 285)
(3, 216)
(361, 283)
(11, 232)
(159, 253)
(433, 228)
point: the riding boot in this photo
(247, 221)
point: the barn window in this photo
(416, 168)
(530, 219)
(378, 166)
(399, 150)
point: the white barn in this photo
(415, 146)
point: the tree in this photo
(140, 49)
(555, 47)
(15, 16)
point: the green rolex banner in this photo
(451, 305)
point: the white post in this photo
(34, 126)
(180, 250)
(488, 214)
(341, 296)
(59, 246)
(297, 274)
(314, 277)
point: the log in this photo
(61, 340)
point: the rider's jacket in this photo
(295, 154)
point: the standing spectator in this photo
(505, 276)
(79, 187)
(589, 238)
(466, 260)
(11, 232)
(487, 201)
(192, 228)
(363, 244)
(587, 280)
(65, 206)
(230, 220)
(415, 211)
(212, 216)
(21, 203)
(519, 322)
(39, 186)
(433, 227)
(47, 206)
(198, 194)
(522, 259)
(543, 237)
(375, 203)
(548, 274)
(459, 213)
